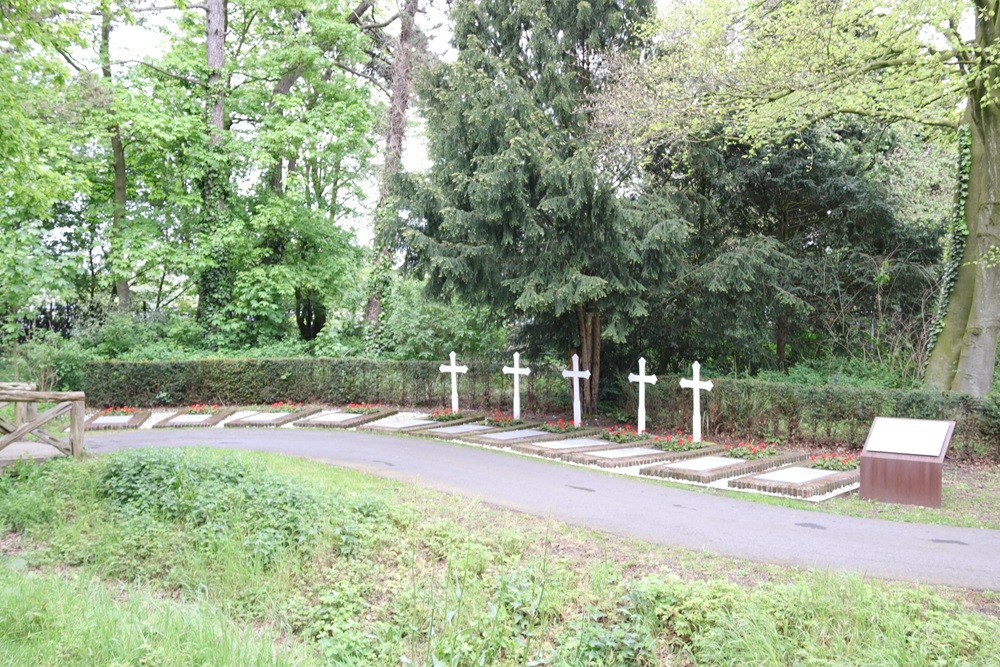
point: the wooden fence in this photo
(27, 421)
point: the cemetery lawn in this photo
(190, 557)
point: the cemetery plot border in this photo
(213, 420)
(138, 418)
(549, 453)
(250, 422)
(737, 469)
(359, 419)
(547, 437)
(664, 456)
(845, 479)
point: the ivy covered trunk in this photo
(964, 354)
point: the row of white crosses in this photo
(575, 374)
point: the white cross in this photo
(576, 374)
(697, 385)
(643, 380)
(517, 372)
(454, 370)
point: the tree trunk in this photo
(402, 74)
(120, 195)
(964, 355)
(589, 323)
(781, 340)
(215, 58)
(214, 281)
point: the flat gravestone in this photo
(903, 460)
(403, 423)
(628, 452)
(520, 434)
(333, 417)
(460, 429)
(190, 419)
(115, 420)
(266, 417)
(572, 443)
(796, 475)
(703, 463)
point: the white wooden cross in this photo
(454, 370)
(576, 374)
(643, 380)
(517, 372)
(697, 385)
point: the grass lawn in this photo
(192, 557)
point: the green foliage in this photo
(49, 620)
(312, 380)
(796, 252)
(217, 497)
(398, 576)
(812, 622)
(516, 213)
(826, 415)
(417, 326)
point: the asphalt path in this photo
(637, 508)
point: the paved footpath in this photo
(643, 509)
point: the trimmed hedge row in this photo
(314, 380)
(824, 415)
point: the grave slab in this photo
(554, 449)
(112, 420)
(400, 424)
(189, 420)
(708, 469)
(626, 455)
(99, 422)
(796, 475)
(799, 482)
(520, 434)
(703, 463)
(341, 419)
(274, 418)
(458, 429)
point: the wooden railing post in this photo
(76, 420)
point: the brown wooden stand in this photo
(899, 476)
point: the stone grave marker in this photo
(519, 434)
(903, 460)
(697, 385)
(454, 369)
(190, 419)
(576, 375)
(643, 380)
(517, 372)
(112, 420)
(459, 429)
(799, 482)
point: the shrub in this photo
(221, 495)
(312, 380)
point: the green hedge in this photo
(314, 380)
(823, 415)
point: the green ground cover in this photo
(203, 557)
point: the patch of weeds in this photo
(219, 497)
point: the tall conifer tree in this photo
(515, 211)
